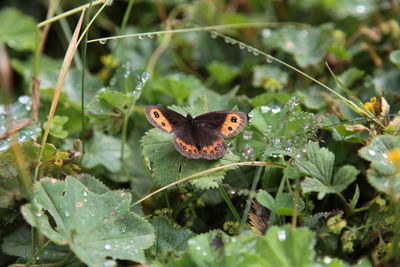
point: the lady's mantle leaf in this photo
(95, 226)
(317, 163)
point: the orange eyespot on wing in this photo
(187, 150)
(214, 151)
(156, 116)
(233, 124)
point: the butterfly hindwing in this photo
(195, 143)
(163, 118)
(227, 123)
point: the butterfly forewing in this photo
(164, 119)
(227, 123)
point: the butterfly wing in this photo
(163, 118)
(227, 122)
(196, 143)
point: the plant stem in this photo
(252, 194)
(229, 203)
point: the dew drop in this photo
(372, 152)
(85, 194)
(265, 109)
(269, 59)
(214, 34)
(204, 253)
(360, 9)
(281, 235)
(227, 40)
(250, 49)
(141, 37)
(255, 52)
(247, 135)
(251, 114)
(266, 33)
(24, 100)
(385, 155)
(327, 260)
(107, 246)
(276, 109)
(66, 213)
(110, 2)
(198, 248)
(110, 263)
(150, 36)
(38, 214)
(103, 41)
(242, 45)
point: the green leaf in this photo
(382, 173)
(18, 243)
(20, 112)
(71, 91)
(112, 103)
(95, 226)
(10, 191)
(308, 46)
(281, 246)
(282, 205)
(274, 129)
(215, 101)
(265, 199)
(222, 72)
(56, 128)
(176, 86)
(105, 150)
(344, 177)
(317, 163)
(157, 147)
(17, 30)
(394, 57)
(169, 238)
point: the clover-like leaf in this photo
(382, 173)
(94, 226)
(317, 164)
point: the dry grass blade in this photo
(50, 12)
(60, 82)
(197, 175)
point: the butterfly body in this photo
(201, 136)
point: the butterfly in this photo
(199, 137)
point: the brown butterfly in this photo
(199, 137)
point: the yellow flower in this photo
(394, 155)
(369, 106)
